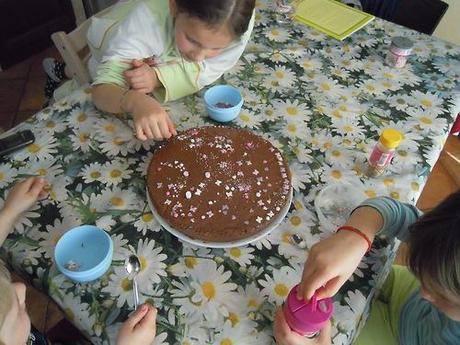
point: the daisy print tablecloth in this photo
(320, 101)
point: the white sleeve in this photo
(138, 36)
(213, 68)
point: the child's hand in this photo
(150, 120)
(142, 77)
(330, 263)
(140, 328)
(285, 336)
(23, 195)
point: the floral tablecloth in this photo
(320, 101)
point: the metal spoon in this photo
(298, 241)
(133, 266)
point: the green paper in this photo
(331, 17)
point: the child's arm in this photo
(7, 220)
(150, 120)
(140, 328)
(332, 261)
(20, 198)
(139, 35)
(397, 216)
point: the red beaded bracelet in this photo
(358, 232)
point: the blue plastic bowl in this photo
(89, 247)
(223, 94)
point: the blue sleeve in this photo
(397, 216)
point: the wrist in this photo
(132, 99)
(367, 219)
(352, 242)
(358, 234)
(127, 101)
(8, 215)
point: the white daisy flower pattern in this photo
(292, 112)
(277, 34)
(44, 147)
(277, 288)
(7, 174)
(152, 266)
(117, 198)
(322, 103)
(92, 172)
(212, 289)
(300, 175)
(241, 255)
(248, 119)
(115, 172)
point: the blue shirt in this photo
(420, 322)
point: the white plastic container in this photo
(335, 202)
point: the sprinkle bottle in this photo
(399, 51)
(307, 319)
(384, 151)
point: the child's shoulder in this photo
(157, 6)
(125, 8)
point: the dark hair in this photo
(235, 13)
(434, 246)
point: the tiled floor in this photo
(21, 95)
(21, 89)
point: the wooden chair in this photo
(74, 49)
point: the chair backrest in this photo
(421, 15)
(74, 49)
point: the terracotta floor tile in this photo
(6, 120)
(53, 316)
(19, 71)
(21, 116)
(11, 92)
(34, 96)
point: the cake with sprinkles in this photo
(218, 184)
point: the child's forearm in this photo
(114, 99)
(366, 219)
(108, 97)
(7, 220)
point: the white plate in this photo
(237, 243)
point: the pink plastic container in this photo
(307, 318)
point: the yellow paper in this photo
(331, 17)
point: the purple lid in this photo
(305, 318)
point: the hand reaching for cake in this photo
(150, 119)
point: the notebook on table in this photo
(331, 17)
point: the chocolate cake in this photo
(218, 184)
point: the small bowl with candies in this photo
(223, 102)
(84, 253)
